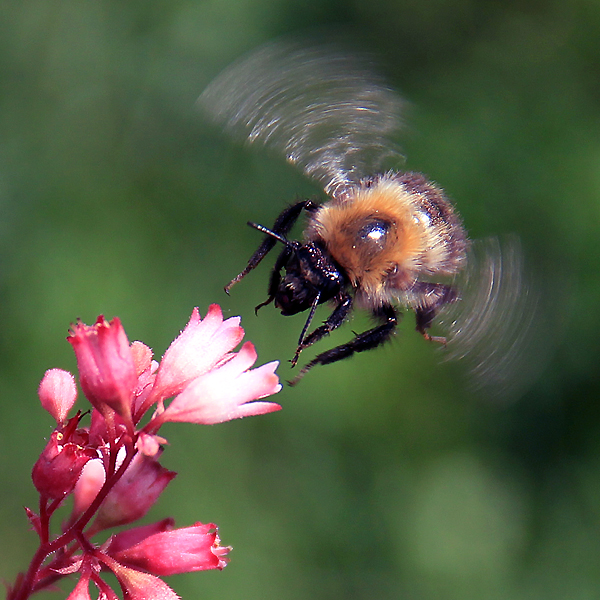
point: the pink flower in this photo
(200, 347)
(106, 365)
(135, 492)
(225, 393)
(58, 468)
(58, 393)
(194, 548)
(137, 585)
(111, 467)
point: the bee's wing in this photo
(496, 327)
(323, 108)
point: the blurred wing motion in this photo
(327, 113)
(494, 326)
(323, 108)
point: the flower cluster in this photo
(111, 468)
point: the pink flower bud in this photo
(137, 585)
(133, 495)
(58, 468)
(150, 445)
(87, 487)
(58, 393)
(107, 370)
(145, 383)
(194, 548)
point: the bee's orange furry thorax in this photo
(388, 232)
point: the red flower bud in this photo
(58, 468)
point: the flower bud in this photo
(88, 485)
(58, 468)
(137, 585)
(106, 365)
(134, 494)
(184, 550)
(58, 393)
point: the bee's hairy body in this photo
(381, 241)
(392, 230)
(379, 244)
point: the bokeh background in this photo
(383, 477)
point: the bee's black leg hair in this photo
(335, 319)
(275, 277)
(364, 341)
(434, 295)
(284, 222)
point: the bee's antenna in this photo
(277, 236)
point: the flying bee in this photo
(384, 238)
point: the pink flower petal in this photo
(227, 393)
(199, 347)
(146, 381)
(87, 487)
(142, 357)
(130, 537)
(81, 590)
(139, 586)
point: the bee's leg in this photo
(275, 277)
(335, 319)
(432, 297)
(309, 319)
(363, 341)
(284, 222)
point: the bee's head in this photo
(295, 292)
(310, 275)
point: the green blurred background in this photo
(383, 477)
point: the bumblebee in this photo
(384, 238)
